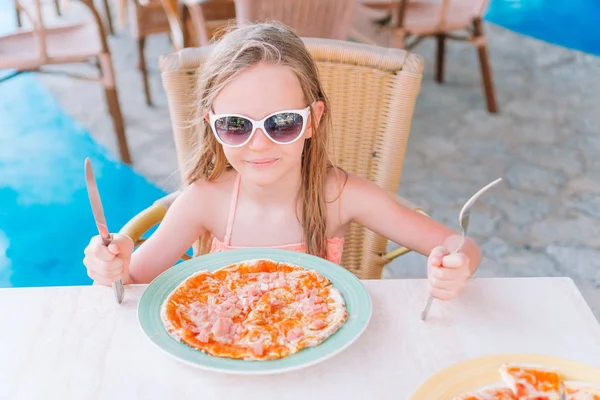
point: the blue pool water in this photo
(45, 219)
(570, 23)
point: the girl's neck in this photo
(280, 192)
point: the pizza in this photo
(495, 392)
(532, 381)
(581, 391)
(254, 310)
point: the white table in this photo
(77, 343)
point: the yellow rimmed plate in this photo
(483, 371)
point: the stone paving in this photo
(543, 221)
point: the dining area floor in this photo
(544, 220)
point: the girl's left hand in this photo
(447, 273)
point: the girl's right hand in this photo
(108, 264)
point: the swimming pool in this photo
(45, 219)
(570, 23)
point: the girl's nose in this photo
(259, 141)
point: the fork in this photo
(463, 219)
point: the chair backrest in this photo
(372, 91)
(472, 8)
(329, 19)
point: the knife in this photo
(98, 211)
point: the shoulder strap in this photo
(232, 207)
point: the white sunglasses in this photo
(282, 127)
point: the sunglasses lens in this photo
(284, 127)
(233, 130)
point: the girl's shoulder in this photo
(203, 200)
(335, 181)
(224, 180)
(349, 188)
(344, 193)
(210, 192)
(340, 181)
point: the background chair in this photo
(33, 49)
(329, 19)
(146, 18)
(18, 11)
(356, 78)
(404, 23)
(195, 22)
(205, 19)
(309, 18)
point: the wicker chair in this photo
(311, 18)
(33, 49)
(404, 23)
(57, 8)
(146, 18)
(372, 92)
(329, 19)
(195, 22)
(18, 11)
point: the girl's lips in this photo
(263, 162)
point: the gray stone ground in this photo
(543, 221)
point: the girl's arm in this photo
(182, 225)
(367, 204)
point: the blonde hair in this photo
(273, 43)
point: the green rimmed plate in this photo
(358, 305)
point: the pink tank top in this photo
(335, 246)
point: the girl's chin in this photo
(262, 179)
(262, 176)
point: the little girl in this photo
(262, 177)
